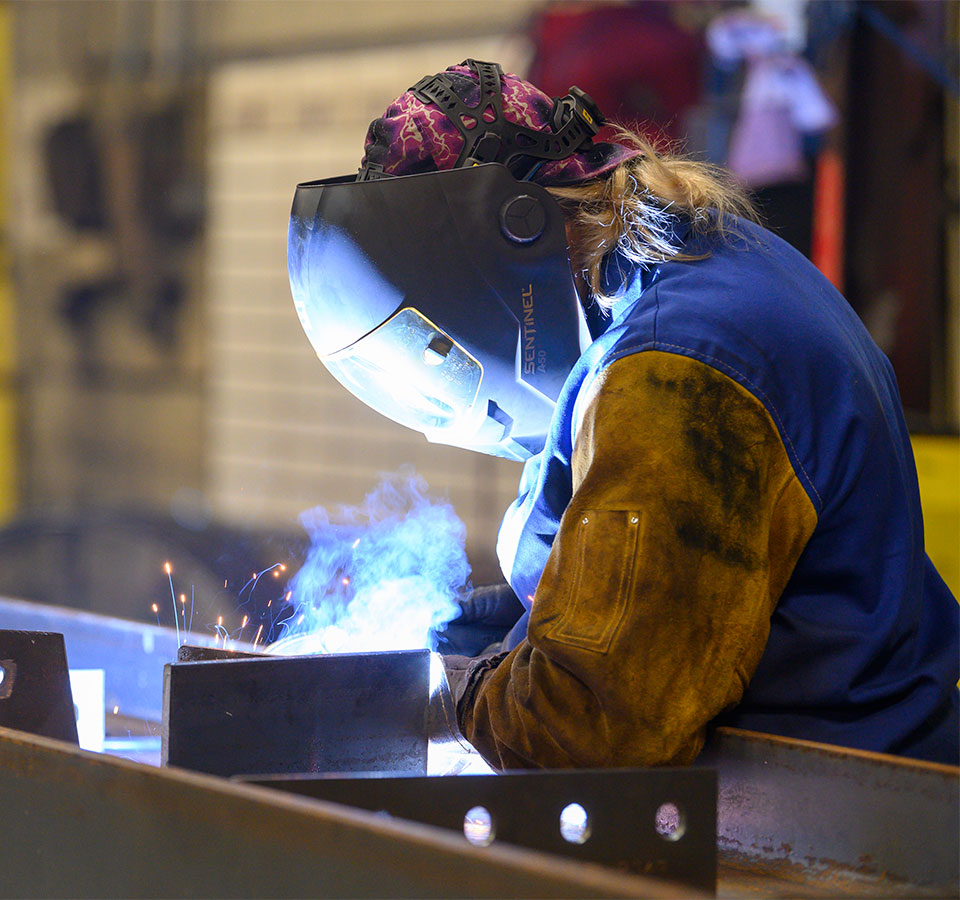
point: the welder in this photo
(718, 519)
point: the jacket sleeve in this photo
(653, 610)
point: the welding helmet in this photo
(435, 285)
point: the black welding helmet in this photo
(435, 286)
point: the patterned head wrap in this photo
(415, 135)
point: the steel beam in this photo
(836, 817)
(659, 822)
(355, 712)
(80, 824)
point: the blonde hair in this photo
(633, 210)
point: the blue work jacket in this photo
(863, 641)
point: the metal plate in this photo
(357, 712)
(35, 693)
(623, 810)
(78, 824)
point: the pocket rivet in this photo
(585, 520)
(634, 520)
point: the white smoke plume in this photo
(378, 576)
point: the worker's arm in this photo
(653, 609)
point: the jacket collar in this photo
(625, 281)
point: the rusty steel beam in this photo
(79, 824)
(836, 820)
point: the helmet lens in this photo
(411, 371)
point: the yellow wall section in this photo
(8, 362)
(938, 467)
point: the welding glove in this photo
(486, 615)
(458, 680)
(462, 674)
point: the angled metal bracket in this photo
(35, 693)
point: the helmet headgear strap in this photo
(489, 137)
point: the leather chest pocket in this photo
(604, 553)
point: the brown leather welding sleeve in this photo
(654, 607)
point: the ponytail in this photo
(633, 210)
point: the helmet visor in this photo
(411, 371)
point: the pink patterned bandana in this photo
(414, 137)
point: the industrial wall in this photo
(159, 363)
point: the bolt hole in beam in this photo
(574, 824)
(670, 822)
(478, 827)
(8, 670)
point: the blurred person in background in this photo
(718, 519)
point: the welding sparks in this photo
(259, 632)
(221, 633)
(173, 597)
(116, 709)
(251, 586)
(156, 611)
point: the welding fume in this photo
(717, 520)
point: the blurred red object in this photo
(642, 68)
(828, 216)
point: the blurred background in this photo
(158, 399)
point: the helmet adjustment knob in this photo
(522, 219)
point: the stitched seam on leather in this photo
(601, 643)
